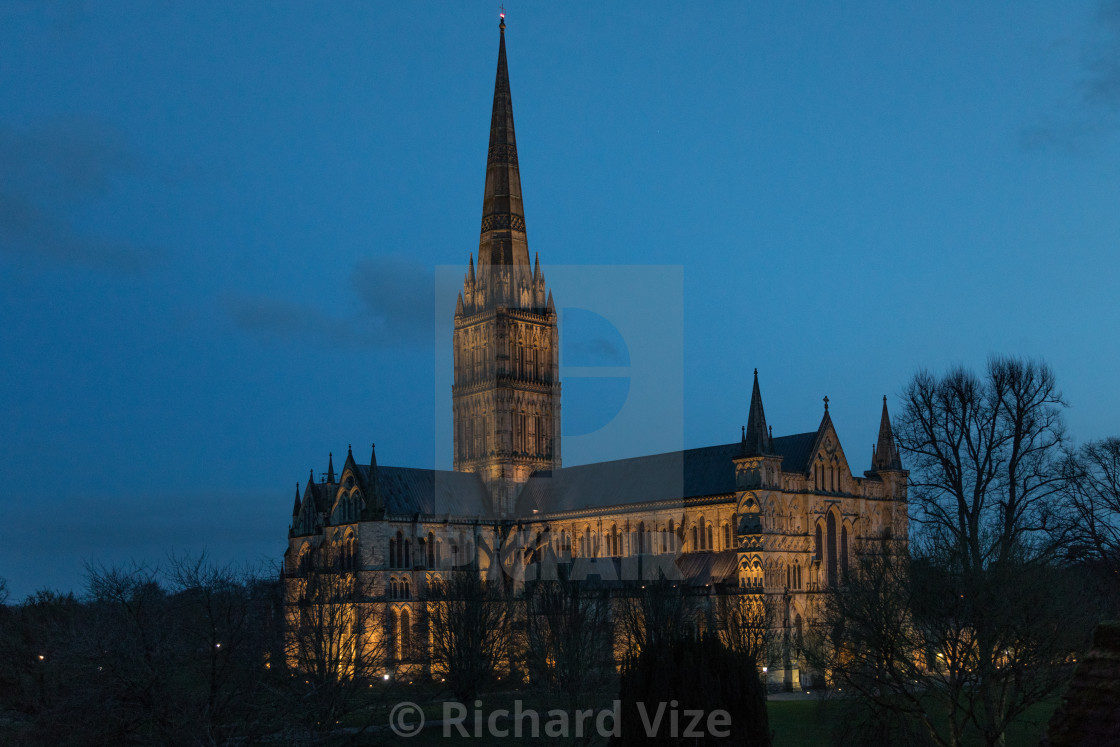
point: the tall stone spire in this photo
(503, 241)
(886, 455)
(756, 438)
(506, 395)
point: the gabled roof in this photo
(407, 490)
(692, 473)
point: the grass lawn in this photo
(804, 721)
(810, 722)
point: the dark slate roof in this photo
(407, 490)
(707, 567)
(796, 451)
(691, 473)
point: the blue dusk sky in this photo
(221, 227)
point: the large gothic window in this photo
(406, 634)
(832, 566)
(818, 546)
(843, 552)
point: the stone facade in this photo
(780, 516)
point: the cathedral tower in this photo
(506, 395)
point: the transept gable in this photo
(827, 466)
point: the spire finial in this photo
(756, 435)
(826, 403)
(885, 455)
(502, 241)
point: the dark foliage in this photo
(697, 674)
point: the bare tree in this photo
(657, 612)
(985, 458)
(568, 638)
(226, 617)
(974, 619)
(746, 623)
(336, 645)
(469, 623)
(1094, 526)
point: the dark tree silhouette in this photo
(691, 674)
(470, 625)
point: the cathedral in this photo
(779, 515)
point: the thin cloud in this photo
(48, 174)
(598, 351)
(395, 296)
(1093, 109)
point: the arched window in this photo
(393, 590)
(695, 538)
(843, 552)
(350, 554)
(439, 553)
(709, 538)
(393, 553)
(406, 561)
(401, 553)
(726, 536)
(406, 634)
(406, 591)
(670, 537)
(303, 563)
(818, 546)
(832, 566)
